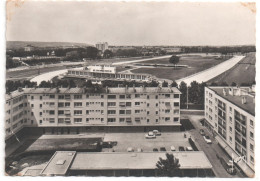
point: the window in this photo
(102, 104)
(122, 112)
(61, 97)
(230, 129)
(230, 139)
(67, 104)
(77, 96)
(251, 135)
(175, 119)
(40, 113)
(77, 120)
(121, 120)
(128, 96)
(77, 112)
(167, 95)
(156, 121)
(60, 120)
(87, 111)
(87, 120)
(40, 121)
(52, 96)
(176, 96)
(111, 104)
(137, 119)
(67, 96)
(32, 105)
(137, 103)
(111, 112)
(51, 112)
(122, 97)
(148, 120)
(230, 109)
(128, 104)
(167, 111)
(77, 104)
(128, 111)
(31, 113)
(176, 104)
(148, 97)
(111, 120)
(137, 95)
(40, 105)
(230, 120)
(156, 104)
(87, 103)
(148, 112)
(156, 112)
(32, 97)
(60, 112)
(167, 119)
(61, 104)
(252, 147)
(111, 96)
(137, 111)
(251, 123)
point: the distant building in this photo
(102, 46)
(230, 115)
(29, 48)
(173, 49)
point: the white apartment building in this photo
(102, 46)
(79, 110)
(230, 115)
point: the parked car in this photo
(139, 150)
(173, 148)
(188, 148)
(157, 133)
(155, 150)
(207, 139)
(106, 144)
(181, 148)
(162, 149)
(150, 135)
(202, 132)
(130, 149)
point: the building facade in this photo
(230, 115)
(79, 110)
(107, 72)
(102, 46)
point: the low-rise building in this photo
(230, 115)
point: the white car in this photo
(150, 135)
(173, 148)
(130, 149)
(157, 133)
(207, 139)
(188, 148)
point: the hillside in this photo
(21, 44)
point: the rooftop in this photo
(142, 160)
(236, 99)
(115, 90)
(59, 163)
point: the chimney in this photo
(243, 100)
(224, 92)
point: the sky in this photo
(132, 23)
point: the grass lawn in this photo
(195, 63)
(243, 72)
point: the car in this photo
(155, 150)
(157, 133)
(181, 148)
(173, 148)
(188, 148)
(106, 144)
(207, 139)
(202, 132)
(130, 149)
(139, 150)
(162, 149)
(150, 135)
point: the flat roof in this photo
(76, 90)
(59, 163)
(134, 160)
(249, 106)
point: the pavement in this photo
(212, 72)
(209, 149)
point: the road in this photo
(209, 149)
(212, 72)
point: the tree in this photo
(165, 84)
(169, 166)
(108, 54)
(183, 89)
(213, 84)
(174, 59)
(233, 84)
(174, 84)
(88, 83)
(193, 92)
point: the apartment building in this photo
(230, 115)
(102, 46)
(79, 110)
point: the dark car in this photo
(155, 150)
(106, 144)
(181, 148)
(162, 149)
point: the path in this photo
(212, 72)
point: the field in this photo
(195, 63)
(243, 72)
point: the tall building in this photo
(102, 46)
(230, 115)
(29, 48)
(79, 110)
